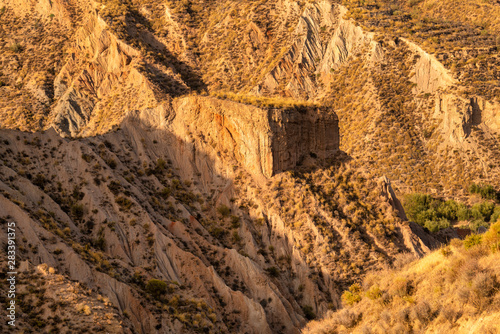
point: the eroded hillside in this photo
(407, 77)
(49, 301)
(239, 152)
(239, 254)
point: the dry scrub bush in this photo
(425, 295)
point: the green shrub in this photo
(112, 163)
(115, 187)
(86, 157)
(157, 288)
(448, 209)
(472, 240)
(436, 225)
(496, 214)
(374, 292)
(415, 204)
(308, 312)
(353, 295)
(446, 251)
(463, 213)
(138, 279)
(224, 210)
(165, 192)
(483, 210)
(77, 211)
(235, 221)
(124, 202)
(40, 181)
(217, 232)
(235, 237)
(99, 242)
(273, 271)
(160, 164)
(486, 191)
(434, 214)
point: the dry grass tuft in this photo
(433, 294)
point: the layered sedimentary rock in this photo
(459, 115)
(264, 140)
(297, 134)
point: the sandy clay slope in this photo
(239, 152)
(240, 251)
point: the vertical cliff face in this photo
(457, 116)
(264, 140)
(97, 65)
(299, 134)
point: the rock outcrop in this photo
(430, 75)
(265, 141)
(459, 115)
